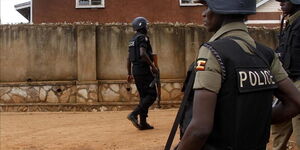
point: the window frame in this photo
(184, 4)
(90, 6)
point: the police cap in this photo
(244, 7)
(139, 23)
(296, 2)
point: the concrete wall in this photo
(83, 67)
(37, 53)
(90, 52)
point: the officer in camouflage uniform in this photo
(234, 85)
(289, 52)
(140, 67)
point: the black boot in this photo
(144, 125)
(134, 120)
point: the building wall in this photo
(265, 19)
(123, 11)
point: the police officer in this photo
(234, 85)
(140, 67)
(289, 52)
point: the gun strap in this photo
(180, 111)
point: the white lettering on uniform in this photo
(258, 77)
(271, 77)
(243, 77)
(264, 76)
(253, 79)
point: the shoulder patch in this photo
(200, 64)
(131, 43)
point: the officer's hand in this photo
(129, 78)
(154, 70)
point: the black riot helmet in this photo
(243, 7)
(139, 23)
(295, 2)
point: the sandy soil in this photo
(83, 131)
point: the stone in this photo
(168, 87)
(93, 96)
(42, 95)
(109, 96)
(33, 95)
(58, 90)
(64, 98)
(47, 88)
(4, 90)
(115, 87)
(93, 88)
(125, 94)
(133, 89)
(165, 95)
(63, 88)
(177, 85)
(23, 109)
(18, 99)
(5, 98)
(83, 93)
(20, 92)
(52, 98)
(103, 108)
(175, 94)
(24, 87)
(37, 88)
(72, 99)
(81, 100)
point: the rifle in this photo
(188, 87)
(156, 81)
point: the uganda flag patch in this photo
(201, 62)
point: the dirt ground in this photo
(83, 131)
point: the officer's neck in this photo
(142, 31)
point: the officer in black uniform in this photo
(234, 85)
(140, 66)
(289, 52)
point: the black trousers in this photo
(147, 94)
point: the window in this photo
(189, 2)
(89, 3)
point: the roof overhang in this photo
(24, 9)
